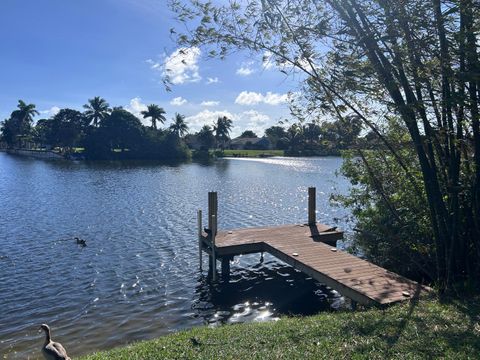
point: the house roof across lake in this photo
(249, 142)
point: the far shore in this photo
(77, 154)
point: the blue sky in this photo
(58, 53)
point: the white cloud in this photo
(246, 69)
(136, 106)
(206, 117)
(178, 101)
(51, 112)
(254, 98)
(153, 64)
(249, 98)
(210, 103)
(255, 121)
(255, 118)
(275, 99)
(211, 80)
(180, 67)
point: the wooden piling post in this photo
(312, 205)
(200, 245)
(226, 267)
(214, 255)
(212, 209)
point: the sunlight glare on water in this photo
(138, 276)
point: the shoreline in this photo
(213, 155)
(415, 329)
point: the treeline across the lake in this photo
(99, 132)
(318, 138)
(102, 132)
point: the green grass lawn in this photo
(424, 330)
(253, 153)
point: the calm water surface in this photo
(138, 277)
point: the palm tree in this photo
(25, 112)
(206, 138)
(179, 126)
(222, 130)
(154, 112)
(96, 110)
(20, 123)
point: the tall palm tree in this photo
(222, 130)
(20, 123)
(96, 110)
(25, 112)
(179, 126)
(154, 112)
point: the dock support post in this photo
(214, 255)
(226, 267)
(212, 209)
(200, 245)
(354, 304)
(312, 205)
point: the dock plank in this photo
(308, 248)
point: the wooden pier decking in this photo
(311, 249)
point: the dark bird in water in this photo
(81, 242)
(208, 231)
(52, 350)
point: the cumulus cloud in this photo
(179, 67)
(246, 69)
(254, 98)
(211, 80)
(208, 117)
(249, 98)
(136, 106)
(210, 103)
(51, 112)
(254, 120)
(178, 101)
(275, 99)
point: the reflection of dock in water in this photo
(309, 248)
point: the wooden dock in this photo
(311, 249)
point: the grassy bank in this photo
(427, 329)
(252, 153)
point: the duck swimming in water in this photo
(80, 241)
(52, 350)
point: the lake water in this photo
(138, 277)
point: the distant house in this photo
(244, 143)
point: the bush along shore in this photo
(418, 329)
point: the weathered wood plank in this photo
(308, 248)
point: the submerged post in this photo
(200, 245)
(214, 255)
(312, 205)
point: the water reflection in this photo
(262, 292)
